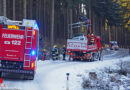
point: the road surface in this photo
(49, 71)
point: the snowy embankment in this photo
(56, 79)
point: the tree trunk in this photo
(44, 19)
(13, 9)
(25, 6)
(0, 7)
(90, 9)
(30, 3)
(71, 22)
(68, 18)
(52, 23)
(4, 8)
(109, 28)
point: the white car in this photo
(114, 45)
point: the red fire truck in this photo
(18, 46)
(79, 46)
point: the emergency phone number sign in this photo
(12, 39)
(76, 45)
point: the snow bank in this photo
(77, 72)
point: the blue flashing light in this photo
(36, 26)
(33, 52)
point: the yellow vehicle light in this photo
(29, 27)
(32, 65)
(34, 32)
(13, 27)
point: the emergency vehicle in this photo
(18, 46)
(79, 46)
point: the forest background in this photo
(110, 18)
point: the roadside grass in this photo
(110, 78)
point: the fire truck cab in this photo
(19, 43)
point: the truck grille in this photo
(79, 54)
(11, 64)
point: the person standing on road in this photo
(64, 52)
(44, 54)
(55, 52)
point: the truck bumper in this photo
(16, 71)
(76, 57)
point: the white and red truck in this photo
(18, 46)
(79, 47)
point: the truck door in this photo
(12, 44)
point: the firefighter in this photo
(89, 30)
(64, 52)
(100, 53)
(55, 52)
(92, 38)
(44, 54)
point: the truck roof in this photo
(25, 22)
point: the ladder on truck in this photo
(28, 41)
(6, 21)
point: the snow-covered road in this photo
(51, 75)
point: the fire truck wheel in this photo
(28, 77)
(69, 58)
(31, 77)
(93, 57)
(100, 58)
(89, 60)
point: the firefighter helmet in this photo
(92, 34)
(44, 49)
(63, 45)
(55, 46)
